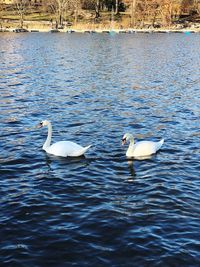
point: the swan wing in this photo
(80, 152)
(66, 148)
(145, 148)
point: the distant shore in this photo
(104, 30)
(46, 26)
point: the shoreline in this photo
(29, 26)
(106, 30)
(46, 26)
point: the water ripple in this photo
(101, 209)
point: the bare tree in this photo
(21, 7)
(92, 5)
(176, 10)
(151, 11)
(58, 7)
(97, 9)
(133, 12)
(154, 12)
(116, 6)
(74, 6)
(76, 10)
(166, 12)
(1, 9)
(197, 5)
(144, 10)
(190, 6)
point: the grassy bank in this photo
(43, 21)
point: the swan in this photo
(62, 148)
(142, 148)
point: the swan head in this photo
(43, 123)
(127, 137)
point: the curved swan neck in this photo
(131, 140)
(48, 140)
(130, 147)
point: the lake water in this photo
(101, 209)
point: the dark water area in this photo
(101, 209)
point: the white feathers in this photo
(142, 148)
(62, 148)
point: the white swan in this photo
(142, 148)
(62, 148)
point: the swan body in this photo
(142, 148)
(62, 148)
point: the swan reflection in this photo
(131, 168)
(131, 163)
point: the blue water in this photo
(101, 209)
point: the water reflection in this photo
(69, 162)
(64, 160)
(96, 87)
(131, 167)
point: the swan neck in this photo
(131, 141)
(48, 140)
(130, 147)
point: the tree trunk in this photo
(60, 11)
(21, 20)
(97, 9)
(133, 8)
(76, 12)
(21, 6)
(116, 6)
(60, 20)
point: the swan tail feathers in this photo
(80, 152)
(159, 144)
(86, 148)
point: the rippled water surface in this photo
(101, 209)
